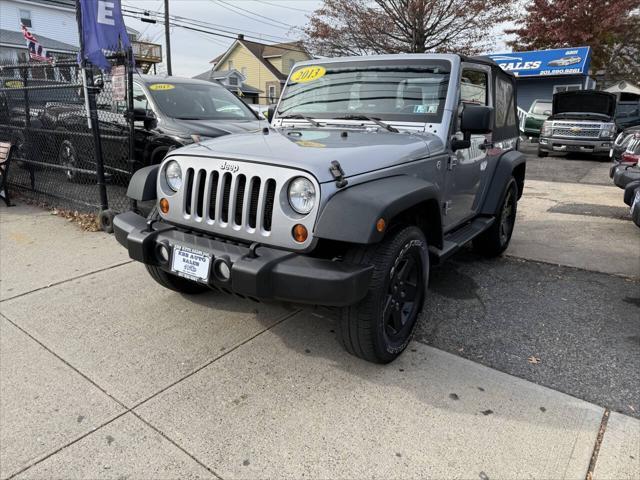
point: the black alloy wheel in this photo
(380, 326)
(404, 296)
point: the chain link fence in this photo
(43, 113)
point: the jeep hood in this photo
(313, 150)
(584, 102)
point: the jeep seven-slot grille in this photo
(227, 198)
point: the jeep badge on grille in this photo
(230, 167)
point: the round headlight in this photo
(302, 195)
(173, 175)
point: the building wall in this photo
(294, 56)
(48, 21)
(257, 74)
(530, 89)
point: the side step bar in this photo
(456, 239)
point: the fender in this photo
(510, 164)
(142, 186)
(351, 214)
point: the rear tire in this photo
(380, 326)
(495, 240)
(173, 282)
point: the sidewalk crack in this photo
(596, 447)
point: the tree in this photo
(610, 27)
(360, 27)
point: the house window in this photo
(233, 80)
(230, 64)
(25, 18)
(566, 88)
(272, 93)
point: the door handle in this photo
(453, 161)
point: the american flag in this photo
(36, 51)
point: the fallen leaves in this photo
(86, 221)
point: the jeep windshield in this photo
(195, 101)
(385, 90)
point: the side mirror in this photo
(475, 119)
(143, 115)
(271, 111)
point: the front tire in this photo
(495, 240)
(380, 326)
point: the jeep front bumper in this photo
(571, 145)
(266, 274)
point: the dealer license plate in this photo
(190, 263)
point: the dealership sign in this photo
(540, 63)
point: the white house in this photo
(53, 22)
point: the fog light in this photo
(163, 253)
(300, 233)
(164, 205)
(222, 270)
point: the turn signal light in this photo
(164, 205)
(381, 225)
(300, 233)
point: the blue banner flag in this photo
(102, 30)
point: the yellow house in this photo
(264, 67)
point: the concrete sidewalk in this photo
(573, 224)
(105, 375)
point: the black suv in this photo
(169, 112)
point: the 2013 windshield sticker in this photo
(162, 86)
(308, 74)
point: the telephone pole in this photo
(166, 36)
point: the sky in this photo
(270, 21)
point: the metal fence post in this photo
(97, 145)
(132, 129)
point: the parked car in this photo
(627, 170)
(621, 143)
(261, 110)
(581, 121)
(627, 114)
(537, 114)
(374, 168)
(632, 198)
(169, 112)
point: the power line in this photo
(250, 15)
(213, 31)
(201, 23)
(281, 6)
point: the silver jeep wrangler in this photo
(371, 170)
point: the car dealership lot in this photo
(105, 375)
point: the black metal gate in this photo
(56, 162)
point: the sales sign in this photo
(540, 63)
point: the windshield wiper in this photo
(375, 120)
(301, 117)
